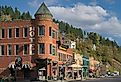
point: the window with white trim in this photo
(17, 32)
(52, 50)
(41, 30)
(25, 32)
(53, 34)
(50, 31)
(41, 48)
(3, 33)
(26, 49)
(16, 49)
(9, 49)
(9, 33)
(2, 50)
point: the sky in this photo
(100, 16)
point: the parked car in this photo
(102, 76)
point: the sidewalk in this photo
(70, 80)
(58, 81)
(93, 78)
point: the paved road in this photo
(111, 79)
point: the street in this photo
(111, 79)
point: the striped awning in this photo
(26, 66)
(12, 66)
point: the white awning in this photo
(75, 65)
(26, 66)
(42, 69)
(12, 66)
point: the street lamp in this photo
(18, 64)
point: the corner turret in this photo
(43, 13)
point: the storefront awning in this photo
(12, 66)
(42, 69)
(26, 66)
(75, 65)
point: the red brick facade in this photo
(43, 42)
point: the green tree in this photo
(17, 14)
(28, 16)
(10, 11)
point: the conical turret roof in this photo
(43, 10)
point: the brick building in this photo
(29, 47)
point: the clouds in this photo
(36, 3)
(112, 27)
(90, 18)
(33, 3)
(80, 14)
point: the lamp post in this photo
(18, 65)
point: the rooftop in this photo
(43, 10)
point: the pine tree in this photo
(23, 16)
(17, 14)
(10, 11)
(28, 16)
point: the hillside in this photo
(91, 44)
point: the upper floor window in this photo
(53, 34)
(9, 33)
(50, 31)
(3, 33)
(2, 50)
(17, 32)
(32, 51)
(59, 54)
(52, 50)
(41, 30)
(9, 49)
(16, 49)
(41, 48)
(26, 49)
(25, 32)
